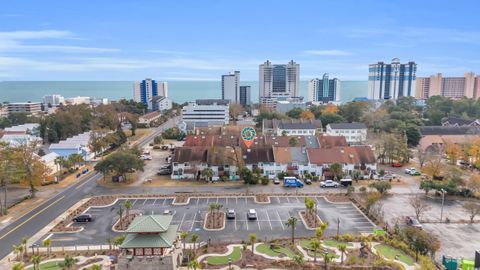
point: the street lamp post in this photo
(33, 246)
(443, 202)
(229, 263)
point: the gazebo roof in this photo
(161, 240)
(150, 224)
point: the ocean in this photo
(179, 91)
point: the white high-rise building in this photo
(278, 82)
(144, 91)
(53, 100)
(391, 81)
(231, 87)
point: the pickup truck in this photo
(328, 183)
(292, 182)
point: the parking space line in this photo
(226, 201)
(134, 202)
(181, 222)
(235, 224)
(193, 222)
(144, 202)
(154, 202)
(280, 219)
(278, 199)
(163, 203)
(288, 199)
(268, 217)
(217, 200)
(236, 200)
(246, 222)
(198, 200)
(246, 201)
(298, 200)
(208, 199)
(258, 222)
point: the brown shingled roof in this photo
(190, 154)
(256, 155)
(282, 155)
(332, 141)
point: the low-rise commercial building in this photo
(354, 133)
(21, 134)
(212, 111)
(291, 127)
(31, 108)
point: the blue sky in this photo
(184, 40)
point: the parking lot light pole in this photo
(229, 263)
(443, 202)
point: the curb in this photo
(219, 229)
(305, 223)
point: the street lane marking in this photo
(208, 199)
(30, 218)
(198, 200)
(84, 182)
(246, 222)
(144, 202)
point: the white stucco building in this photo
(212, 111)
(354, 133)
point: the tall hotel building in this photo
(278, 82)
(144, 91)
(245, 100)
(391, 81)
(231, 87)
(324, 90)
(451, 87)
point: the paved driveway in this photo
(269, 225)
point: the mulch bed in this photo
(181, 199)
(126, 220)
(263, 198)
(215, 220)
(338, 197)
(310, 219)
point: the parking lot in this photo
(270, 223)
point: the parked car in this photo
(164, 147)
(167, 167)
(397, 164)
(308, 181)
(290, 181)
(389, 177)
(407, 171)
(164, 172)
(83, 218)
(276, 181)
(328, 183)
(346, 182)
(169, 212)
(411, 221)
(415, 173)
(145, 157)
(230, 213)
(251, 214)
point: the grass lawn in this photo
(48, 266)
(333, 243)
(220, 260)
(276, 252)
(390, 253)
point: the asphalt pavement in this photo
(40, 216)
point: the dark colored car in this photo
(164, 172)
(230, 214)
(83, 218)
(168, 167)
(411, 221)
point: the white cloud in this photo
(328, 52)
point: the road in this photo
(42, 215)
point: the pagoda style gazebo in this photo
(149, 235)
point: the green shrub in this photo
(265, 180)
(352, 260)
(363, 189)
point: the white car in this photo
(409, 170)
(328, 183)
(252, 214)
(145, 157)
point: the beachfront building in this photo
(151, 243)
(391, 81)
(30, 108)
(451, 87)
(278, 82)
(145, 90)
(324, 90)
(245, 99)
(231, 87)
(53, 100)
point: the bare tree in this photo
(473, 209)
(419, 205)
(422, 156)
(235, 110)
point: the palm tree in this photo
(36, 262)
(194, 239)
(292, 223)
(68, 262)
(342, 248)
(253, 239)
(60, 161)
(298, 259)
(128, 205)
(315, 246)
(183, 236)
(24, 244)
(47, 243)
(320, 230)
(17, 250)
(194, 264)
(327, 258)
(18, 266)
(207, 173)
